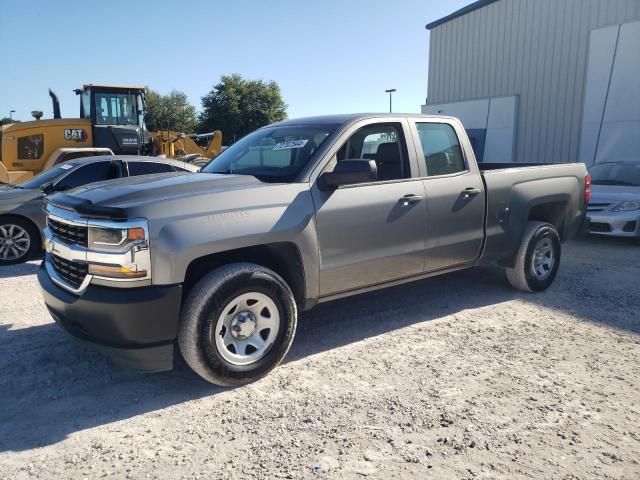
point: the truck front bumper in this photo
(135, 327)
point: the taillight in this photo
(587, 189)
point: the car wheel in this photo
(237, 324)
(19, 240)
(538, 258)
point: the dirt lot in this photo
(451, 377)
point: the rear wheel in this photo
(538, 258)
(19, 240)
(237, 324)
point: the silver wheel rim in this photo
(247, 328)
(14, 242)
(543, 259)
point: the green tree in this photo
(171, 111)
(6, 120)
(238, 106)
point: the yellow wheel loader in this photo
(111, 122)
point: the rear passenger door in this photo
(371, 233)
(455, 195)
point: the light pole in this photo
(390, 92)
(11, 112)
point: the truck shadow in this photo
(51, 386)
(19, 270)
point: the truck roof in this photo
(350, 117)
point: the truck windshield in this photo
(275, 154)
(116, 109)
(611, 173)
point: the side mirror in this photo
(347, 172)
(47, 188)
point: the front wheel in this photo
(237, 324)
(538, 258)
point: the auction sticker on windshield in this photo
(290, 145)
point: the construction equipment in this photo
(111, 122)
(189, 148)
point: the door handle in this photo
(468, 192)
(411, 198)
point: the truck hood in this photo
(613, 193)
(154, 189)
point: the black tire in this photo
(30, 230)
(523, 276)
(207, 302)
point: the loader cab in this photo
(117, 117)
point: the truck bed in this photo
(518, 192)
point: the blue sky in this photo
(327, 56)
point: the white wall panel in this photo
(495, 115)
(623, 101)
(611, 119)
(473, 113)
(501, 129)
(602, 47)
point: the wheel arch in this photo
(284, 258)
(551, 209)
(553, 212)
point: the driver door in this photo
(372, 233)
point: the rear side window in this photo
(442, 152)
(148, 168)
(92, 172)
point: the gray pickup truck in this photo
(296, 213)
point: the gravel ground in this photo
(451, 377)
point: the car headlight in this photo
(627, 206)
(114, 238)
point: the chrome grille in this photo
(68, 233)
(71, 272)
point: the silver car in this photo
(614, 208)
(21, 214)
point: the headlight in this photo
(118, 253)
(627, 206)
(114, 238)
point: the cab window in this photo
(383, 143)
(441, 149)
(116, 109)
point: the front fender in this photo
(179, 242)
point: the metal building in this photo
(540, 80)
